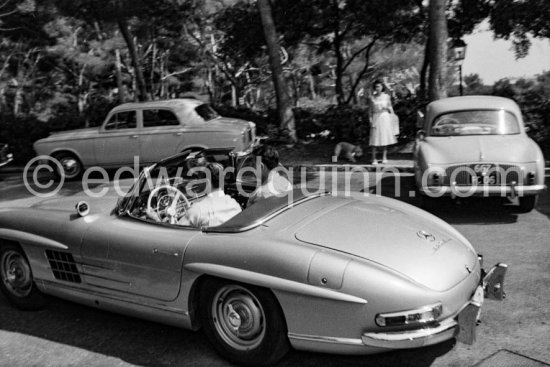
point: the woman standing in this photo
(381, 129)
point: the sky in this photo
(494, 59)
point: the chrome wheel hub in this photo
(16, 274)
(70, 166)
(238, 317)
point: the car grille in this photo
(63, 266)
(502, 173)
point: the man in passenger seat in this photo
(273, 183)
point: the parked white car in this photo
(477, 146)
(148, 130)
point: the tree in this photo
(131, 17)
(462, 17)
(517, 19)
(346, 33)
(437, 45)
(286, 116)
(21, 54)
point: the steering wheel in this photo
(171, 204)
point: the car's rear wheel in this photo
(244, 323)
(527, 203)
(72, 167)
(16, 278)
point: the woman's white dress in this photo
(381, 130)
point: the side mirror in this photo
(82, 208)
(420, 135)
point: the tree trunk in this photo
(118, 67)
(339, 89)
(286, 116)
(140, 80)
(424, 70)
(438, 50)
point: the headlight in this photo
(434, 179)
(421, 315)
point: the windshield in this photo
(206, 112)
(478, 122)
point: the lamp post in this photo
(459, 53)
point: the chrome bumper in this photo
(413, 338)
(467, 191)
(461, 326)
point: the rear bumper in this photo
(414, 338)
(461, 326)
(467, 191)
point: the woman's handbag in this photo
(394, 119)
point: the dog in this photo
(347, 150)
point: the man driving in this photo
(217, 207)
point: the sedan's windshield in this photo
(206, 112)
(478, 122)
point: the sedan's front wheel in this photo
(16, 281)
(244, 323)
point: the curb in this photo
(309, 167)
(353, 167)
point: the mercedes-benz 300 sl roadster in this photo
(477, 146)
(313, 271)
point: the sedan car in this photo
(477, 146)
(5, 155)
(279, 274)
(148, 132)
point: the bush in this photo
(263, 120)
(20, 133)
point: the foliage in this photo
(65, 63)
(20, 133)
(344, 32)
(517, 19)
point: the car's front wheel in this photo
(244, 323)
(16, 280)
(527, 203)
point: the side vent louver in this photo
(63, 266)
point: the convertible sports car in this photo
(477, 146)
(279, 274)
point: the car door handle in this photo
(178, 134)
(156, 252)
(134, 136)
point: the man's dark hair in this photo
(216, 171)
(269, 156)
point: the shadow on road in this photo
(150, 344)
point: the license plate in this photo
(485, 174)
(484, 180)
